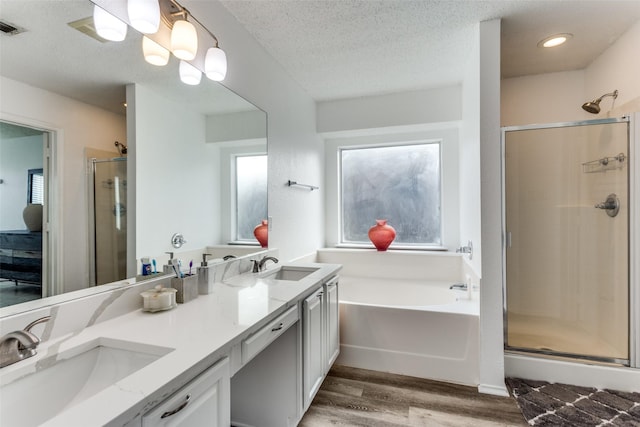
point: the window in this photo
(399, 183)
(251, 195)
(35, 190)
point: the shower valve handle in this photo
(611, 205)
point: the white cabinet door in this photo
(314, 348)
(202, 402)
(333, 323)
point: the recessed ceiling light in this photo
(554, 40)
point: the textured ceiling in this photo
(346, 48)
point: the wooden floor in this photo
(357, 397)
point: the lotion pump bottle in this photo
(203, 275)
(168, 267)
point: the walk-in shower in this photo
(566, 227)
(108, 220)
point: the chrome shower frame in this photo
(633, 144)
(91, 179)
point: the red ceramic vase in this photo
(381, 234)
(262, 233)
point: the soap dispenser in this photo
(168, 267)
(204, 274)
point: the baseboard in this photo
(495, 390)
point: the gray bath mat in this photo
(549, 404)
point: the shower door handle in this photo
(611, 205)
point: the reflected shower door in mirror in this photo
(174, 144)
(108, 219)
(567, 254)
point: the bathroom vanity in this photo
(253, 352)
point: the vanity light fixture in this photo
(177, 31)
(189, 74)
(144, 15)
(555, 40)
(154, 53)
(108, 26)
(184, 40)
(215, 64)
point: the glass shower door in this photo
(567, 246)
(110, 220)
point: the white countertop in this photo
(199, 333)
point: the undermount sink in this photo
(290, 273)
(38, 391)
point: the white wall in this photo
(295, 151)
(544, 98)
(176, 177)
(17, 156)
(435, 105)
(77, 126)
(491, 340)
(469, 191)
(617, 68)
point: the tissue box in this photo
(187, 287)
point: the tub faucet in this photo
(258, 266)
(228, 257)
(19, 345)
(466, 249)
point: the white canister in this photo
(158, 299)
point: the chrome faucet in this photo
(19, 345)
(258, 266)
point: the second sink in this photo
(290, 273)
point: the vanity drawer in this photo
(262, 338)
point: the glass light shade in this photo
(144, 15)
(189, 74)
(184, 40)
(108, 26)
(154, 53)
(215, 64)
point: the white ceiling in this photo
(333, 49)
(347, 48)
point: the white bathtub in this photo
(397, 313)
(416, 328)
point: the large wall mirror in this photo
(185, 151)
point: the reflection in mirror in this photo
(60, 80)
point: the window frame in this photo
(30, 174)
(410, 246)
(453, 140)
(234, 197)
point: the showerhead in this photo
(593, 107)
(121, 147)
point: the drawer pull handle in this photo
(178, 409)
(277, 328)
